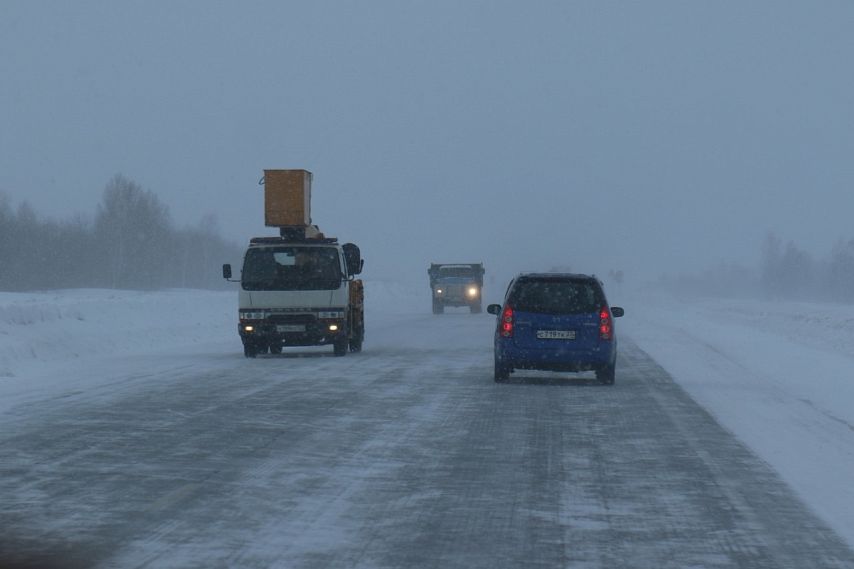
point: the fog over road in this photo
(406, 455)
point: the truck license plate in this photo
(290, 328)
(556, 334)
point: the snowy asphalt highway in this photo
(406, 455)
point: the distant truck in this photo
(299, 288)
(459, 284)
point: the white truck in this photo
(298, 289)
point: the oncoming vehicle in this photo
(458, 284)
(555, 322)
(300, 294)
(300, 288)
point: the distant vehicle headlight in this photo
(438, 291)
(472, 291)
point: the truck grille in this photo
(292, 319)
(455, 291)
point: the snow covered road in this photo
(406, 455)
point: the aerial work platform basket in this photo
(287, 204)
(287, 198)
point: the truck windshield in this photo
(292, 268)
(455, 272)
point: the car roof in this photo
(556, 276)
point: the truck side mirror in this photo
(353, 258)
(226, 271)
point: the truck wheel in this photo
(250, 350)
(476, 308)
(438, 307)
(275, 348)
(356, 340)
(339, 347)
(358, 336)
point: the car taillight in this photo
(605, 324)
(507, 322)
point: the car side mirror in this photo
(226, 271)
(616, 311)
(494, 309)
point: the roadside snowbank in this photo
(57, 326)
(780, 375)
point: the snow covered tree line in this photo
(784, 271)
(788, 271)
(132, 243)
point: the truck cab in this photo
(459, 284)
(300, 292)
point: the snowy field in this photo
(779, 375)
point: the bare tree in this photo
(770, 278)
(840, 271)
(133, 229)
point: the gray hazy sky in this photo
(645, 136)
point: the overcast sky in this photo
(643, 136)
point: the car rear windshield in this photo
(553, 296)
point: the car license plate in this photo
(290, 328)
(556, 334)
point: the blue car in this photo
(556, 322)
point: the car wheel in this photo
(502, 371)
(607, 374)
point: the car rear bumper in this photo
(556, 359)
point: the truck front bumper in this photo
(314, 333)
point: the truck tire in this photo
(275, 348)
(358, 334)
(250, 350)
(476, 308)
(438, 307)
(339, 346)
(357, 339)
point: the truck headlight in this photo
(472, 291)
(438, 291)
